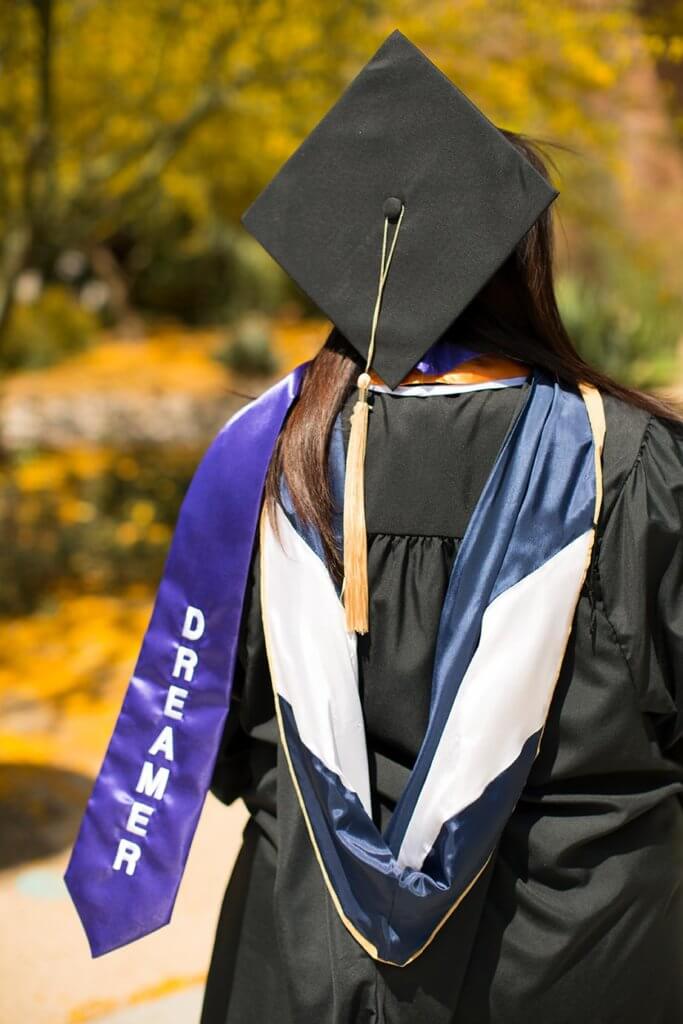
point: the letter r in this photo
(128, 853)
(185, 662)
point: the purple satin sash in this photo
(135, 836)
(133, 843)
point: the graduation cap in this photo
(391, 215)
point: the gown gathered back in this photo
(579, 914)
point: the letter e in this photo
(138, 819)
(175, 698)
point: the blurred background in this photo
(134, 313)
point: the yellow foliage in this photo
(75, 511)
(62, 676)
(127, 534)
(126, 70)
(166, 360)
(127, 468)
(49, 471)
(142, 513)
(158, 533)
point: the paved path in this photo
(47, 975)
(174, 1009)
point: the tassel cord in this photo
(355, 584)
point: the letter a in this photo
(163, 743)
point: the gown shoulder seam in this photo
(616, 639)
(642, 445)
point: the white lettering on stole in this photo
(128, 853)
(154, 778)
(163, 744)
(175, 700)
(138, 819)
(152, 783)
(194, 624)
(186, 662)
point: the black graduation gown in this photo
(579, 915)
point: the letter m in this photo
(151, 782)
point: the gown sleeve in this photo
(250, 701)
(641, 575)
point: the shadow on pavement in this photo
(40, 811)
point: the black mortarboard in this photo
(403, 147)
(401, 130)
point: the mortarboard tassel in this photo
(355, 587)
(355, 539)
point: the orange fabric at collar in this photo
(474, 371)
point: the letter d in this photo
(194, 624)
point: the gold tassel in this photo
(355, 588)
(355, 536)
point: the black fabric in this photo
(580, 913)
(404, 467)
(401, 129)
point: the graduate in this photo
(423, 613)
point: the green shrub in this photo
(46, 331)
(249, 350)
(628, 329)
(207, 277)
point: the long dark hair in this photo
(515, 315)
